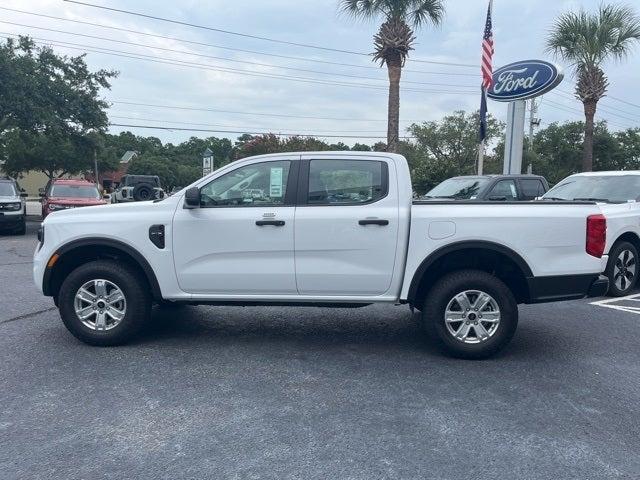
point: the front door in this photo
(240, 240)
(346, 228)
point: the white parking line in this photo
(614, 303)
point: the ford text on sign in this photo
(523, 80)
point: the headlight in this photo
(54, 207)
(11, 207)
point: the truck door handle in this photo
(373, 221)
(275, 223)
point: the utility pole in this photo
(533, 123)
(95, 167)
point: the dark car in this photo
(510, 188)
(12, 206)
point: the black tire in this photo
(134, 289)
(142, 192)
(437, 300)
(629, 277)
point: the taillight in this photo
(596, 235)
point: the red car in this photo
(63, 194)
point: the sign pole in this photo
(481, 157)
(514, 142)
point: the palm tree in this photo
(394, 41)
(587, 40)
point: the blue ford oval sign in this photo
(523, 80)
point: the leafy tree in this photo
(628, 154)
(49, 109)
(448, 148)
(394, 41)
(587, 41)
(559, 149)
(361, 147)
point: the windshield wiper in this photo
(591, 199)
(555, 199)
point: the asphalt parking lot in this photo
(217, 392)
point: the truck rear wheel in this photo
(622, 269)
(104, 303)
(471, 313)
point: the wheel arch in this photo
(490, 257)
(627, 236)
(77, 252)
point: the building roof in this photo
(128, 156)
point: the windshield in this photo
(7, 190)
(458, 188)
(597, 188)
(75, 191)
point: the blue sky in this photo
(519, 30)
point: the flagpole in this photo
(483, 107)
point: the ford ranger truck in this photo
(320, 229)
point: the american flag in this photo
(487, 51)
(487, 71)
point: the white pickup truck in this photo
(320, 229)
(618, 195)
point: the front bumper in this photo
(11, 220)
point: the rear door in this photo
(346, 226)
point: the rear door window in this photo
(346, 182)
(531, 188)
(504, 190)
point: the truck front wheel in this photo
(104, 303)
(471, 313)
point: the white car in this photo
(326, 229)
(618, 194)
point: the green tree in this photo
(587, 41)
(559, 149)
(50, 110)
(394, 41)
(360, 147)
(448, 148)
(628, 153)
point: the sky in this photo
(218, 87)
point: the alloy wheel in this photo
(100, 304)
(472, 316)
(624, 270)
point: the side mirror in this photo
(41, 194)
(496, 198)
(192, 198)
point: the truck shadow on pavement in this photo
(379, 328)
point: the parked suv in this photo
(12, 206)
(64, 194)
(510, 188)
(138, 188)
